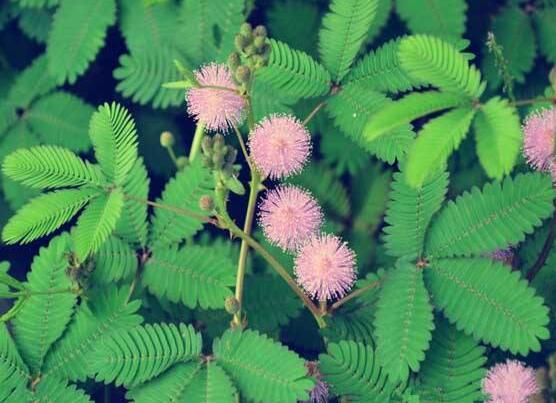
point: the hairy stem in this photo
(197, 140)
(243, 148)
(354, 294)
(545, 252)
(530, 101)
(313, 113)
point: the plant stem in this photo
(545, 252)
(280, 270)
(354, 294)
(197, 141)
(530, 101)
(243, 148)
(312, 114)
(247, 227)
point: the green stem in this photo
(247, 227)
(531, 101)
(197, 140)
(354, 294)
(172, 155)
(312, 114)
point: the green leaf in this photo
(14, 374)
(439, 63)
(195, 275)
(409, 212)
(78, 32)
(483, 221)
(435, 143)
(44, 167)
(381, 71)
(441, 18)
(59, 119)
(114, 138)
(499, 137)
(44, 317)
(37, 3)
(105, 311)
(97, 223)
(546, 31)
(115, 260)
(294, 73)
(132, 225)
(133, 356)
(513, 31)
(183, 192)
(44, 214)
(404, 321)
(401, 112)
(353, 370)
(32, 83)
(468, 291)
(54, 390)
(453, 369)
(192, 381)
(36, 23)
(281, 374)
(344, 28)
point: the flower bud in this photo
(250, 50)
(246, 29)
(206, 203)
(243, 74)
(181, 162)
(234, 60)
(259, 42)
(218, 142)
(232, 305)
(206, 145)
(241, 42)
(260, 31)
(167, 139)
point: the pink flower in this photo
(325, 267)
(503, 255)
(280, 146)
(511, 382)
(319, 393)
(289, 216)
(540, 129)
(217, 109)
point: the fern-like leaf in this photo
(498, 135)
(32, 83)
(183, 191)
(437, 62)
(59, 119)
(45, 214)
(55, 390)
(107, 311)
(546, 31)
(194, 275)
(294, 72)
(281, 374)
(404, 321)
(441, 18)
(344, 28)
(44, 316)
(97, 223)
(380, 70)
(435, 143)
(409, 213)
(14, 374)
(468, 291)
(48, 167)
(400, 113)
(36, 23)
(453, 368)
(78, 33)
(134, 356)
(114, 138)
(499, 215)
(115, 260)
(132, 225)
(354, 371)
(513, 31)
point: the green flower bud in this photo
(258, 61)
(246, 29)
(181, 162)
(260, 31)
(207, 162)
(232, 305)
(218, 142)
(241, 42)
(243, 74)
(259, 43)
(206, 145)
(167, 139)
(234, 60)
(250, 50)
(218, 160)
(206, 203)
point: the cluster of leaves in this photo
(135, 296)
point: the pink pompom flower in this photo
(510, 382)
(539, 132)
(325, 267)
(319, 393)
(289, 216)
(280, 146)
(217, 109)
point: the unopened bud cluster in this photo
(252, 53)
(220, 158)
